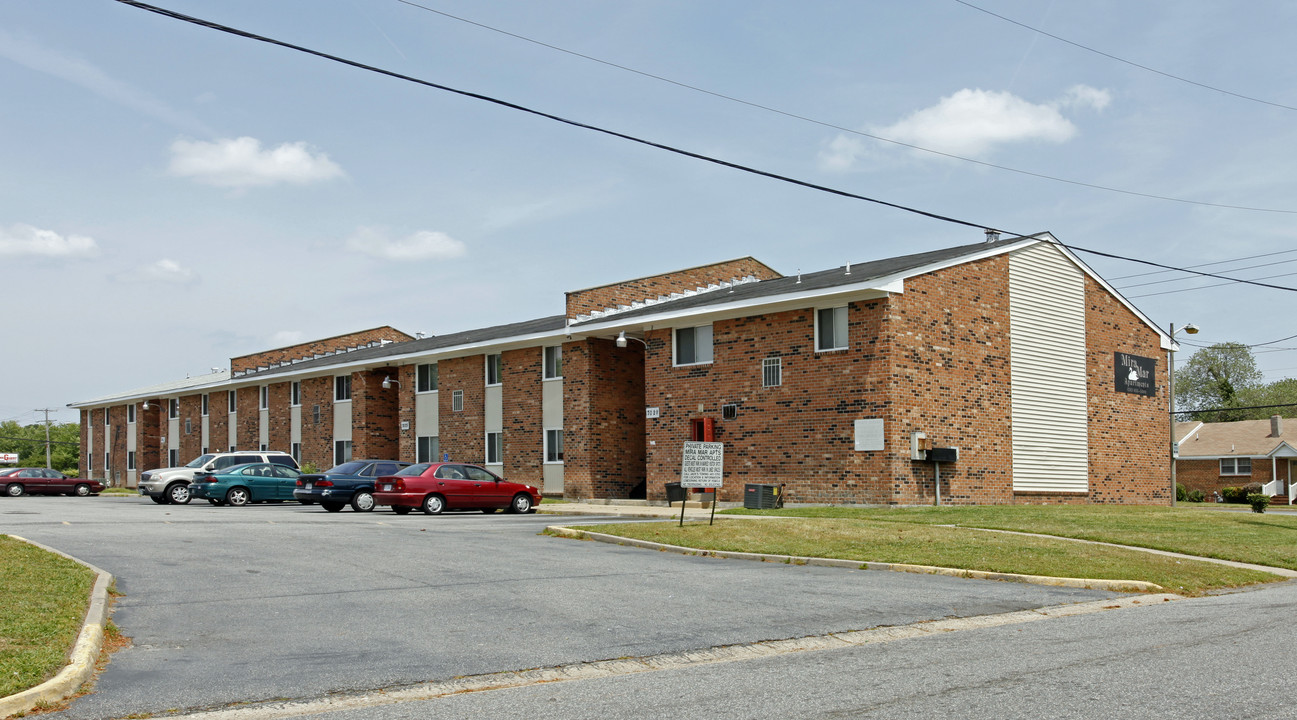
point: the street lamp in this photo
(1189, 329)
(622, 338)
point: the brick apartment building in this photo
(1013, 351)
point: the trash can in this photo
(675, 493)
(760, 497)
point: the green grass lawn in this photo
(917, 536)
(44, 599)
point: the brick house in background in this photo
(1233, 454)
(1013, 351)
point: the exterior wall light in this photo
(621, 340)
(387, 382)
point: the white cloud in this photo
(25, 240)
(973, 123)
(423, 245)
(241, 163)
(168, 271)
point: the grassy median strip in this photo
(869, 540)
(43, 600)
(1262, 539)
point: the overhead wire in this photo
(1209, 264)
(1110, 56)
(661, 146)
(1181, 279)
(822, 123)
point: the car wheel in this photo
(158, 499)
(82, 490)
(362, 501)
(401, 509)
(488, 511)
(333, 507)
(178, 494)
(14, 489)
(434, 504)
(238, 497)
(521, 503)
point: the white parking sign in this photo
(703, 465)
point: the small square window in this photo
(457, 401)
(494, 369)
(772, 372)
(693, 345)
(341, 451)
(553, 362)
(831, 329)
(429, 449)
(427, 378)
(341, 388)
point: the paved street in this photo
(285, 601)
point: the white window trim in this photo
(544, 363)
(204, 405)
(1235, 472)
(675, 345)
(417, 391)
(295, 394)
(234, 402)
(499, 460)
(457, 401)
(772, 362)
(836, 348)
(263, 397)
(130, 414)
(130, 460)
(545, 446)
(335, 389)
(173, 408)
(486, 370)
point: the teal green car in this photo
(243, 484)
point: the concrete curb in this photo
(81, 661)
(1087, 583)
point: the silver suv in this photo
(171, 485)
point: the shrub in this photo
(1258, 501)
(310, 468)
(1180, 493)
(1233, 494)
(1252, 487)
(1196, 496)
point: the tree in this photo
(1219, 376)
(29, 442)
(1279, 392)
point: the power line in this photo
(1217, 262)
(1128, 62)
(822, 123)
(1180, 279)
(1205, 287)
(668, 148)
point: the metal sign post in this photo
(702, 465)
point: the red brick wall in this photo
(603, 419)
(117, 443)
(521, 406)
(191, 443)
(463, 434)
(582, 302)
(309, 349)
(1129, 434)
(374, 413)
(218, 421)
(317, 437)
(408, 443)
(280, 435)
(149, 451)
(1205, 475)
(248, 431)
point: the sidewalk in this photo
(636, 509)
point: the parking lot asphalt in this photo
(228, 605)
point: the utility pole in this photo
(47, 412)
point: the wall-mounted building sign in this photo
(651, 413)
(1135, 374)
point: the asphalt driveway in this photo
(285, 601)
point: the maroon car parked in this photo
(434, 487)
(42, 481)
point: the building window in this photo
(457, 401)
(173, 408)
(553, 362)
(553, 446)
(106, 423)
(189, 427)
(1236, 466)
(90, 462)
(263, 447)
(831, 329)
(204, 403)
(341, 451)
(130, 413)
(130, 459)
(429, 449)
(427, 378)
(265, 397)
(772, 372)
(173, 458)
(494, 448)
(494, 369)
(108, 462)
(295, 393)
(295, 450)
(693, 345)
(234, 402)
(203, 451)
(341, 388)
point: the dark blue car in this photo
(351, 483)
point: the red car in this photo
(434, 487)
(41, 481)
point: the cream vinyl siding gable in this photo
(1047, 370)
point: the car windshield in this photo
(199, 461)
(411, 470)
(347, 468)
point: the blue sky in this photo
(172, 196)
